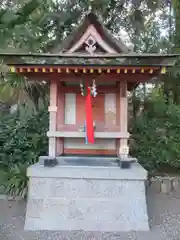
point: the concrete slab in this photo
(100, 197)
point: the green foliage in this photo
(156, 136)
(15, 180)
(22, 138)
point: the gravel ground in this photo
(164, 213)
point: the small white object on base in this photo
(89, 198)
(124, 151)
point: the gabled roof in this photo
(91, 19)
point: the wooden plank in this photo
(69, 134)
(102, 152)
(100, 143)
(106, 55)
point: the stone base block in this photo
(89, 198)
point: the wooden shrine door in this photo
(101, 146)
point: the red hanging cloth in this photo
(89, 117)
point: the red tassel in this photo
(89, 117)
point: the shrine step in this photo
(86, 161)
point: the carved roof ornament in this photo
(90, 45)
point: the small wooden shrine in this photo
(89, 82)
(90, 59)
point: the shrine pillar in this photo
(53, 117)
(60, 118)
(123, 118)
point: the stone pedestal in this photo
(100, 197)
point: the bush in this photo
(22, 138)
(15, 180)
(156, 135)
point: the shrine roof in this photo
(38, 66)
(130, 59)
(102, 50)
(92, 19)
